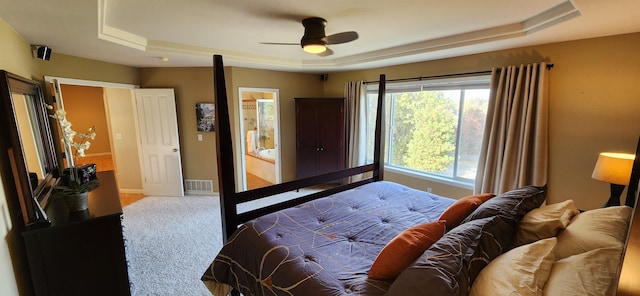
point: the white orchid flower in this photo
(69, 134)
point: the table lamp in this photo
(614, 168)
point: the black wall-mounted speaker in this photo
(43, 53)
(324, 77)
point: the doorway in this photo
(123, 152)
(260, 126)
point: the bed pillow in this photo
(590, 273)
(453, 262)
(528, 269)
(545, 222)
(405, 248)
(461, 208)
(598, 228)
(514, 203)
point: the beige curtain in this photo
(515, 147)
(356, 95)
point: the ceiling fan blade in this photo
(341, 37)
(280, 43)
(325, 53)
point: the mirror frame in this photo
(32, 199)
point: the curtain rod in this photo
(549, 66)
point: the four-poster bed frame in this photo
(629, 279)
(230, 198)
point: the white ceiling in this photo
(188, 32)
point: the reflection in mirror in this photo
(31, 153)
(29, 134)
(259, 127)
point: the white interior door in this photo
(159, 142)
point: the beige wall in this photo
(124, 139)
(290, 86)
(193, 85)
(85, 108)
(595, 102)
(66, 66)
(594, 105)
(15, 57)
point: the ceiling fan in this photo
(315, 40)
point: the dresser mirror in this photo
(31, 151)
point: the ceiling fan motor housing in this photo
(313, 31)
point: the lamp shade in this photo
(614, 168)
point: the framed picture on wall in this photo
(205, 117)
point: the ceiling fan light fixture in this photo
(315, 41)
(315, 48)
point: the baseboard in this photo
(132, 191)
(200, 193)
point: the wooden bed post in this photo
(224, 147)
(229, 198)
(632, 191)
(628, 280)
(378, 148)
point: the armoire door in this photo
(306, 139)
(320, 136)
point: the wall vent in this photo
(198, 187)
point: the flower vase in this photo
(77, 202)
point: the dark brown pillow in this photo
(513, 204)
(405, 248)
(460, 209)
(451, 264)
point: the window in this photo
(434, 127)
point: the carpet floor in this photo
(170, 243)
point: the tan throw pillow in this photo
(590, 273)
(545, 222)
(593, 229)
(461, 208)
(405, 248)
(520, 271)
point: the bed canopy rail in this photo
(230, 198)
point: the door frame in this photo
(102, 84)
(241, 148)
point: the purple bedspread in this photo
(323, 247)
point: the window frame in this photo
(461, 83)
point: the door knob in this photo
(175, 150)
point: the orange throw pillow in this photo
(460, 209)
(405, 248)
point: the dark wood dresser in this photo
(81, 253)
(320, 136)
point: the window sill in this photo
(432, 178)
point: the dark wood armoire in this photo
(320, 135)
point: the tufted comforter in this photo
(323, 247)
